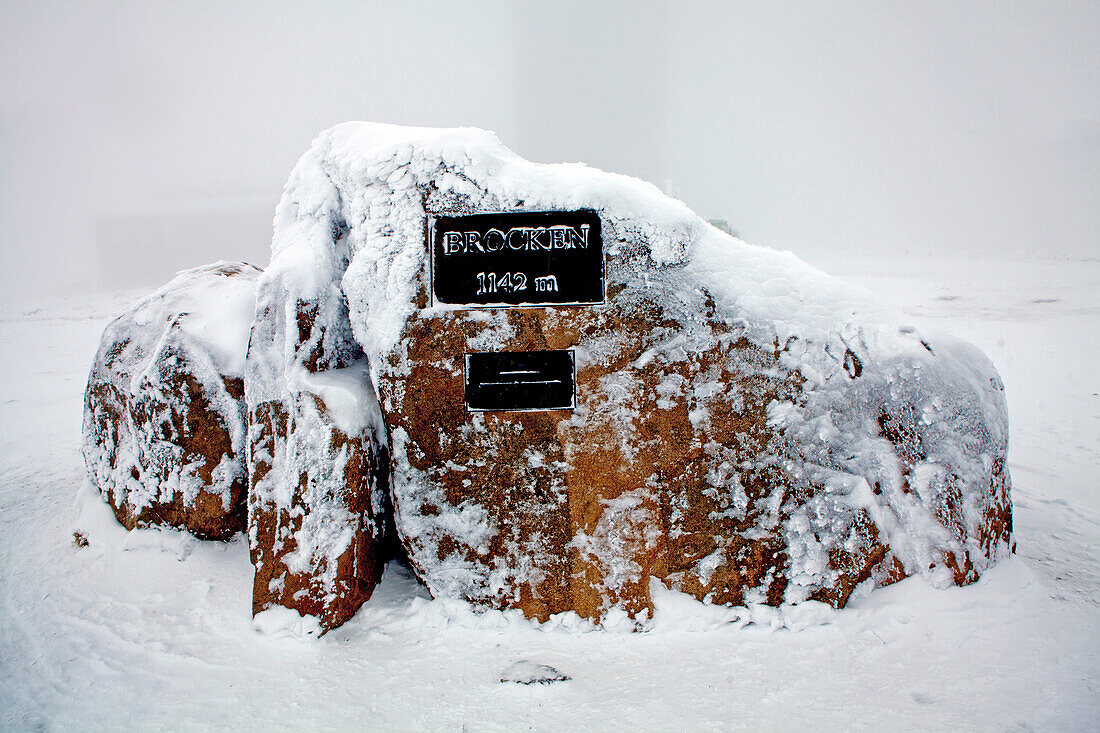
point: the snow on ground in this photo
(151, 629)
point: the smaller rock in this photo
(317, 507)
(164, 413)
(525, 672)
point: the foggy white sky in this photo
(139, 138)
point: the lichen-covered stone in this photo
(164, 412)
(746, 428)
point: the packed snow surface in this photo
(152, 629)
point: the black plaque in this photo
(520, 380)
(518, 258)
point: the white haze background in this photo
(138, 138)
(944, 155)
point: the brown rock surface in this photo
(667, 468)
(590, 504)
(294, 567)
(164, 413)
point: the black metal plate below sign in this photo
(518, 258)
(520, 380)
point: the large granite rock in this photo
(164, 413)
(745, 428)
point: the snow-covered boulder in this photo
(317, 506)
(164, 412)
(742, 426)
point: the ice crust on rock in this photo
(164, 420)
(874, 451)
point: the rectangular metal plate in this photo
(518, 258)
(520, 380)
